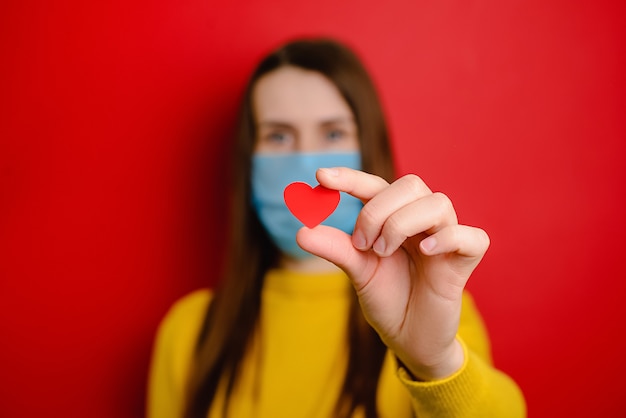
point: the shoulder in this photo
(187, 313)
(179, 328)
(176, 337)
(192, 304)
(173, 352)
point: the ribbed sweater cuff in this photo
(459, 395)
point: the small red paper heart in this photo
(310, 205)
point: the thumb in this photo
(335, 246)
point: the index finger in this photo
(357, 183)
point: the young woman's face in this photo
(298, 110)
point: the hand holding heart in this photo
(409, 261)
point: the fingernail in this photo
(358, 240)
(428, 244)
(330, 171)
(380, 245)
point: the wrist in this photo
(450, 361)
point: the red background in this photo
(115, 120)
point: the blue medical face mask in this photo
(271, 173)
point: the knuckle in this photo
(444, 204)
(413, 183)
(484, 237)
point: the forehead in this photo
(291, 94)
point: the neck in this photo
(307, 265)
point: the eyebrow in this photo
(286, 125)
(336, 121)
(275, 124)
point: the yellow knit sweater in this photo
(296, 364)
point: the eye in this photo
(335, 135)
(278, 137)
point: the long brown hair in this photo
(234, 309)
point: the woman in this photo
(314, 321)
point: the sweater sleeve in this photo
(477, 389)
(172, 355)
